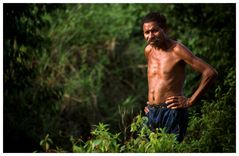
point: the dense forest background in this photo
(69, 67)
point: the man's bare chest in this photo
(162, 63)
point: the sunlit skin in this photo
(166, 69)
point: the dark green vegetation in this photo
(68, 67)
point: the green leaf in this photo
(77, 149)
(47, 146)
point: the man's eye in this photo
(155, 30)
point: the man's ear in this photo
(166, 30)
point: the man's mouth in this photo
(154, 40)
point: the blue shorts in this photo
(173, 120)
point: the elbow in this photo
(211, 74)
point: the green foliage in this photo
(47, 146)
(148, 141)
(102, 141)
(70, 66)
(215, 129)
(46, 142)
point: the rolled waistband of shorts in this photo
(160, 105)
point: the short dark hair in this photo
(155, 17)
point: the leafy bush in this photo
(104, 141)
(214, 130)
(148, 141)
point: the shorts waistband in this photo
(160, 105)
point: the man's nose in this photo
(151, 35)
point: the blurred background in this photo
(68, 67)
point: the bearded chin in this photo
(155, 42)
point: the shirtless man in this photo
(167, 105)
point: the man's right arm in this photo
(147, 51)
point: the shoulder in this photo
(179, 47)
(147, 50)
(181, 50)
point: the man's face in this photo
(153, 34)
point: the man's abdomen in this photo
(160, 90)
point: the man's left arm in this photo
(208, 75)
